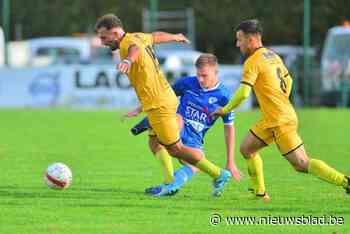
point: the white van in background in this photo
(335, 62)
(335, 66)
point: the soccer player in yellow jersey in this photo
(156, 96)
(265, 73)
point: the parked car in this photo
(176, 59)
(291, 55)
(67, 50)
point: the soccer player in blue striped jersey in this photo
(199, 96)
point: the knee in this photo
(154, 145)
(174, 150)
(245, 151)
(301, 165)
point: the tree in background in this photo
(215, 20)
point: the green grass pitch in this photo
(111, 168)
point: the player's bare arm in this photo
(133, 54)
(162, 37)
(133, 113)
(229, 132)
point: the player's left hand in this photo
(217, 112)
(131, 114)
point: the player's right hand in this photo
(217, 112)
(124, 66)
(181, 38)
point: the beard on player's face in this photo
(113, 45)
(243, 50)
(108, 38)
(244, 46)
(243, 41)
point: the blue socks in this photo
(182, 176)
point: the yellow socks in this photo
(166, 164)
(255, 170)
(208, 167)
(254, 185)
(323, 171)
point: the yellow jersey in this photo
(266, 73)
(145, 75)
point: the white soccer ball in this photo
(58, 176)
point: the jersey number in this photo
(283, 83)
(150, 52)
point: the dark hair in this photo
(250, 27)
(206, 59)
(108, 21)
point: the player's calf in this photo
(299, 160)
(185, 153)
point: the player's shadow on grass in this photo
(71, 193)
(77, 197)
(105, 190)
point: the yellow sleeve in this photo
(250, 72)
(125, 44)
(139, 39)
(240, 95)
(147, 38)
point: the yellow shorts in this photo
(285, 136)
(164, 125)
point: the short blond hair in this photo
(205, 60)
